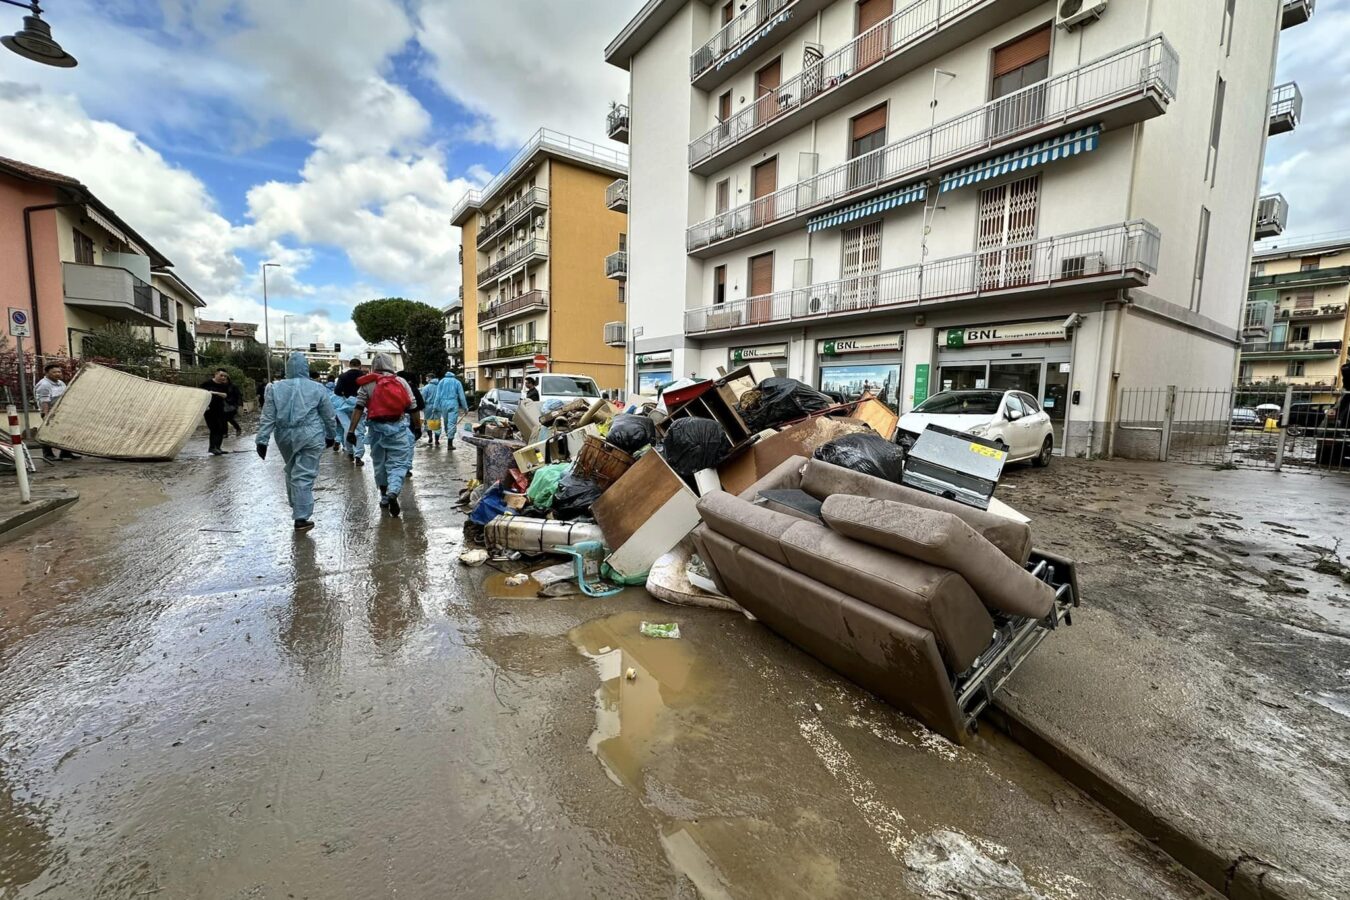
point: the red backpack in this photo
(388, 399)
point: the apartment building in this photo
(176, 345)
(541, 260)
(1058, 197)
(222, 337)
(1295, 330)
(73, 264)
(454, 331)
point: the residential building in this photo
(74, 266)
(454, 331)
(541, 261)
(928, 196)
(217, 338)
(1295, 329)
(369, 354)
(319, 355)
(176, 345)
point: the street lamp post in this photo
(34, 40)
(267, 333)
(286, 332)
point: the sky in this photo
(335, 136)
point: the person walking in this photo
(216, 386)
(298, 415)
(234, 398)
(450, 402)
(414, 382)
(394, 424)
(48, 391)
(344, 403)
(531, 390)
(432, 420)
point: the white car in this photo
(1012, 418)
(558, 386)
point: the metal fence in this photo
(1280, 428)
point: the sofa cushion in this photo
(821, 480)
(745, 523)
(784, 476)
(944, 540)
(925, 595)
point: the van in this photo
(564, 387)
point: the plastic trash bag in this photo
(550, 405)
(692, 444)
(777, 400)
(866, 452)
(490, 506)
(574, 496)
(630, 433)
(544, 484)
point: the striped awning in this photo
(869, 207)
(753, 39)
(1083, 140)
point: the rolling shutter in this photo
(1021, 52)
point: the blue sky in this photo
(335, 136)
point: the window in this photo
(1300, 333)
(1029, 404)
(1226, 34)
(760, 278)
(623, 293)
(1008, 214)
(1013, 405)
(1304, 301)
(623, 240)
(84, 248)
(728, 12)
(861, 262)
(723, 195)
(1258, 270)
(763, 184)
(1018, 65)
(1245, 371)
(872, 14)
(767, 81)
(867, 133)
(1297, 368)
(1201, 255)
(1215, 129)
(1309, 264)
(724, 113)
(720, 284)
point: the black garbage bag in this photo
(866, 452)
(777, 400)
(692, 444)
(630, 433)
(574, 497)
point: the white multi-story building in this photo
(914, 196)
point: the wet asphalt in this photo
(196, 703)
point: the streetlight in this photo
(285, 333)
(267, 334)
(34, 40)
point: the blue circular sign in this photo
(18, 317)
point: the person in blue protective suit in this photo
(394, 424)
(430, 390)
(344, 403)
(299, 416)
(450, 402)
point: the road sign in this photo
(540, 361)
(18, 323)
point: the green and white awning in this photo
(870, 207)
(1084, 140)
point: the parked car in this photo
(558, 386)
(498, 402)
(1243, 417)
(1311, 415)
(1013, 418)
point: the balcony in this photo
(1258, 319)
(511, 352)
(1291, 349)
(534, 198)
(1272, 215)
(534, 301)
(616, 123)
(1327, 311)
(1286, 108)
(727, 52)
(616, 265)
(615, 334)
(1296, 12)
(1115, 256)
(531, 251)
(1123, 88)
(616, 195)
(115, 293)
(919, 33)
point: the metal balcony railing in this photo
(1151, 64)
(1286, 108)
(616, 195)
(616, 265)
(544, 139)
(1328, 310)
(1296, 12)
(115, 293)
(757, 13)
(915, 23)
(1331, 348)
(616, 123)
(1272, 214)
(513, 351)
(1127, 251)
(531, 301)
(535, 197)
(1259, 317)
(615, 334)
(532, 249)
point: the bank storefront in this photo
(775, 355)
(1033, 357)
(851, 366)
(654, 370)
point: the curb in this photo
(38, 509)
(1240, 877)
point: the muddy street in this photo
(194, 703)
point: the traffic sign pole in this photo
(19, 328)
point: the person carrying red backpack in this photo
(386, 400)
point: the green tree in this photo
(251, 355)
(120, 343)
(425, 354)
(378, 321)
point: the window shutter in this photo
(1021, 52)
(872, 13)
(869, 122)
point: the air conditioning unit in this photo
(1073, 13)
(1082, 266)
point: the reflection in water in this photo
(25, 843)
(399, 579)
(311, 628)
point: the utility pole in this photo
(267, 334)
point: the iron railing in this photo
(534, 197)
(615, 334)
(533, 300)
(1272, 214)
(616, 264)
(1329, 347)
(1286, 103)
(616, 123)
(1118, 250)
(616, 195)
(1151, 64)
(512, 351)
(543, 139)
(1327, 311)
(1296, 12)
(522, 254)
(756, 14)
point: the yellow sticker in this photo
(987, 451)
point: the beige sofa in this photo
(925, 602)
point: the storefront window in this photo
(963, 378)
(851, 382)
(651, 382)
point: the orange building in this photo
(540, 264)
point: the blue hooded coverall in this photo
(391, 443)
(450, 400)
(297, 412)
(344, 407)
(432, 411)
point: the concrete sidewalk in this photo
(47, 499)
(1204, 691)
